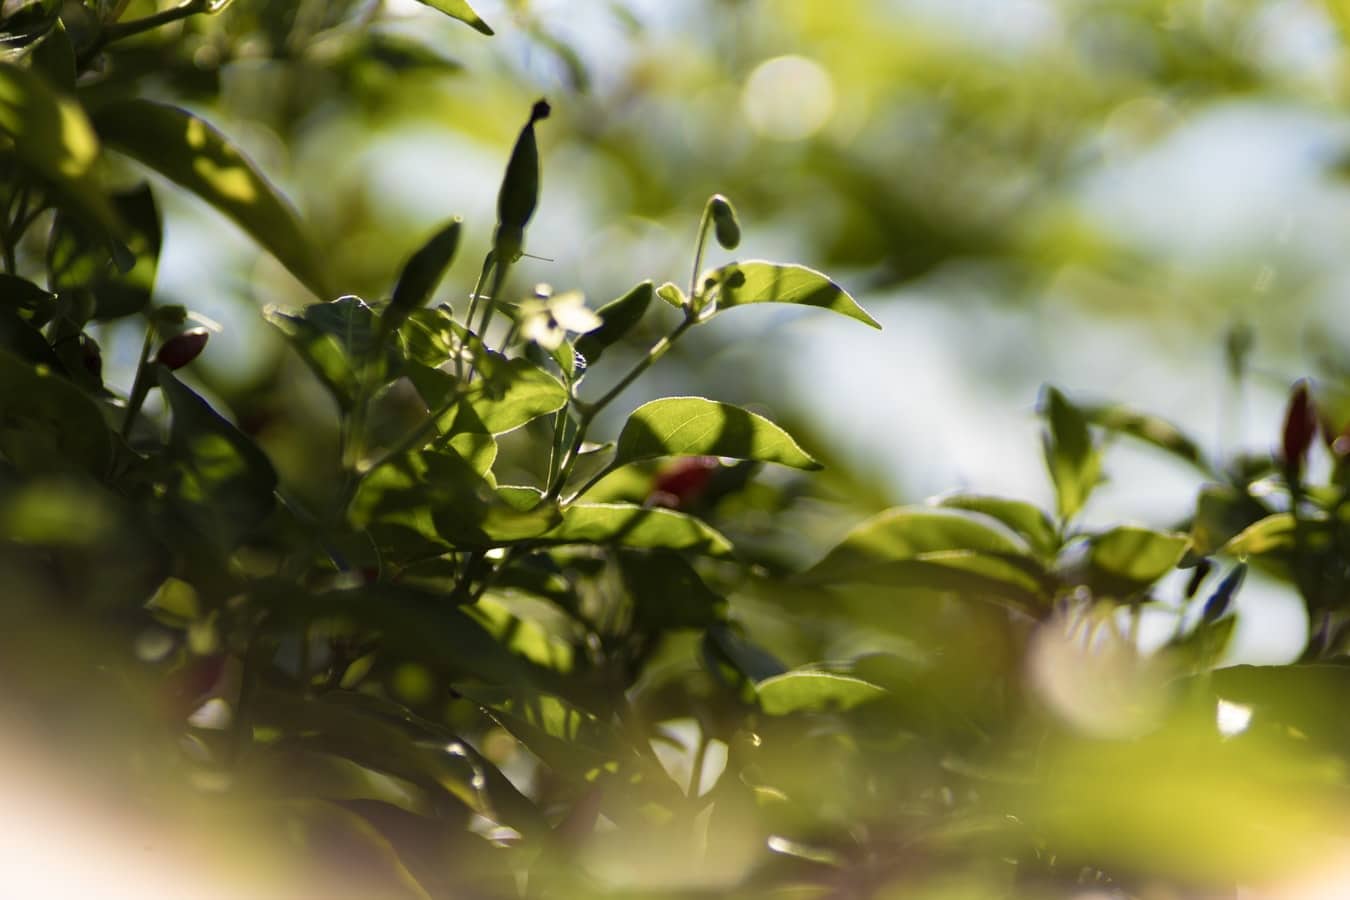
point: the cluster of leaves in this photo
(575, 682)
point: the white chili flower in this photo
(547, 318)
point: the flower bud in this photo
(1300, 427)
(182, 349)
(725, 225)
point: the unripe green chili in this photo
(725, 225)
(520, 190)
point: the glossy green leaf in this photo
(807, 690)
(667, 592)
(1027, 519)
(636, 527)
(756, 281)
(459, 9)
(338, 340)
(1273, 533)
(617, 318)
(1073, 461)
(225, 485)
(421, 273)
(1150, 429)
(693, 426)
(48, 424)
(1129, 558)
(54, 138)
(188, 151)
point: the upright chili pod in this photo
(1300, 427)
(520, 190)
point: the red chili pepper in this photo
(1300, 427)
(182, 349)
(682, 482)
(188, 685)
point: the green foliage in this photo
(479, 639)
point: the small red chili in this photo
(182, 349)
(1300, 426)
(682, 482)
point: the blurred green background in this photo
(1138, 201)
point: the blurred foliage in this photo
(394, 608)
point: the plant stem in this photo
(588, 411)
(118, 31)
(140, 385)
(698, 249)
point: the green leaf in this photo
(1127, 559)
(693, 426)
(80, 255)
(722, 643)
(1273, 533)
(513, 392)
(756, 281)
(637, 527)
(943, 550)
(1026, 519)
(1220, 514)
(55, 57)
(807, 690)
(1073, 461)
(585, 749)
(667, 593)
(442, 497)
(617, 318)
(225, 484)
(1150, 429)
(911, 532)
(188, 151)
(54, 138)
(48, 424)
(459, 9)
(338, 341)
(421, 273)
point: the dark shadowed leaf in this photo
(48, 424)
(81, 255)
(188, 151)
(667, 592)
(421, 273)
(225, 484)
(617, 318)
(53, 137)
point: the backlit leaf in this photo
(693, 426)
(756, 281)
